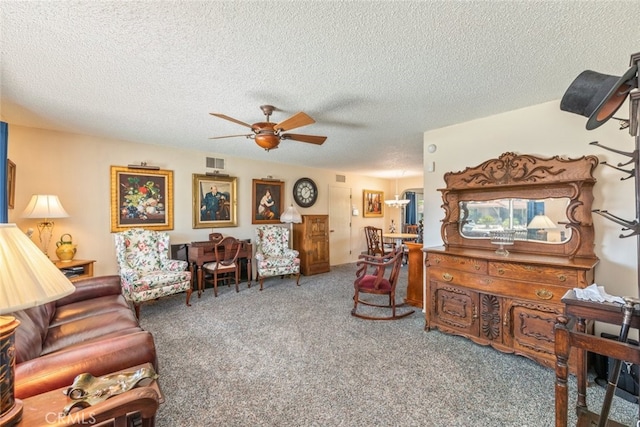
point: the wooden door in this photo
(318, 243)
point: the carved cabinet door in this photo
(530, 327)
(455, 309)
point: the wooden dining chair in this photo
(226, 262)
(375, 242)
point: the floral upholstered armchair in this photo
(273, 256)
(146, 272)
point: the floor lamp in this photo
(27, 279)
(46, 207)
(291, 216)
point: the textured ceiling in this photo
(374, 75)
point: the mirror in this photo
(539, 220)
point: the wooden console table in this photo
(203, 252)
(570, 332)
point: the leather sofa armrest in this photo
(92, 287)
(116, 410)
(59, 369)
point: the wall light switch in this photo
(431, 167)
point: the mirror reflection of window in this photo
(534, 220)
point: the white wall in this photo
(77, 169)
(544, 130)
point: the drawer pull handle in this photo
(562, 278)
(447, 277)
(544, 294)
(501, 271)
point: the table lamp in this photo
(45, 206)
(290, 216)
(541, 223)
(27, 279)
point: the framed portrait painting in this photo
(214, 201)
(141, 198)
(267, 201)
(372, 203)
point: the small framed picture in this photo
(267, 201)
(11, 184)
(141, 198)
(214, 201)
(372, 203)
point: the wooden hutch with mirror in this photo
(517, 233)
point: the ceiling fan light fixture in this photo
(267, 140)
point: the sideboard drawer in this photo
(472, 265)
(534, 273)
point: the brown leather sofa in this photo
(92, 330)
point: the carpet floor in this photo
(294, 356)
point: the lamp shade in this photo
(541, 222)
(291, 215)
(27, 277)
(44, 206)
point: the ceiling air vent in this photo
(214, 163)
(341, 178)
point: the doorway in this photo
(414, 211)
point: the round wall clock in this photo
(305, 192)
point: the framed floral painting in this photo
(267, 201)
(214, 201)
(141, 198)
(372, 203)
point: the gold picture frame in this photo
(11, 184)
(215, 202)
(141, 198)
(372, 203)
(267, 201)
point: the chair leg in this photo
(136, 307)
(237, 281)
(298, 279)
(261, 279)
(189, 291)
(215, 284)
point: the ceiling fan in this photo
(268, 135)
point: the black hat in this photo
(598, 96)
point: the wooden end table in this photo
(46, 409)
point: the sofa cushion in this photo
(80, 330)
(81, 309)
(28, 338)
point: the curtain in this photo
(4, 133)
(410, 214)
(534, 208)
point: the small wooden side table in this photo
(570, 331)
(46, 409)
(76, 269)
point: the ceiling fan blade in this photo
(231, 119)
(297, 120)
(231, 136)
(313, 139)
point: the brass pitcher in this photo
(65, 249)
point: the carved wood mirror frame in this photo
(528, 177)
